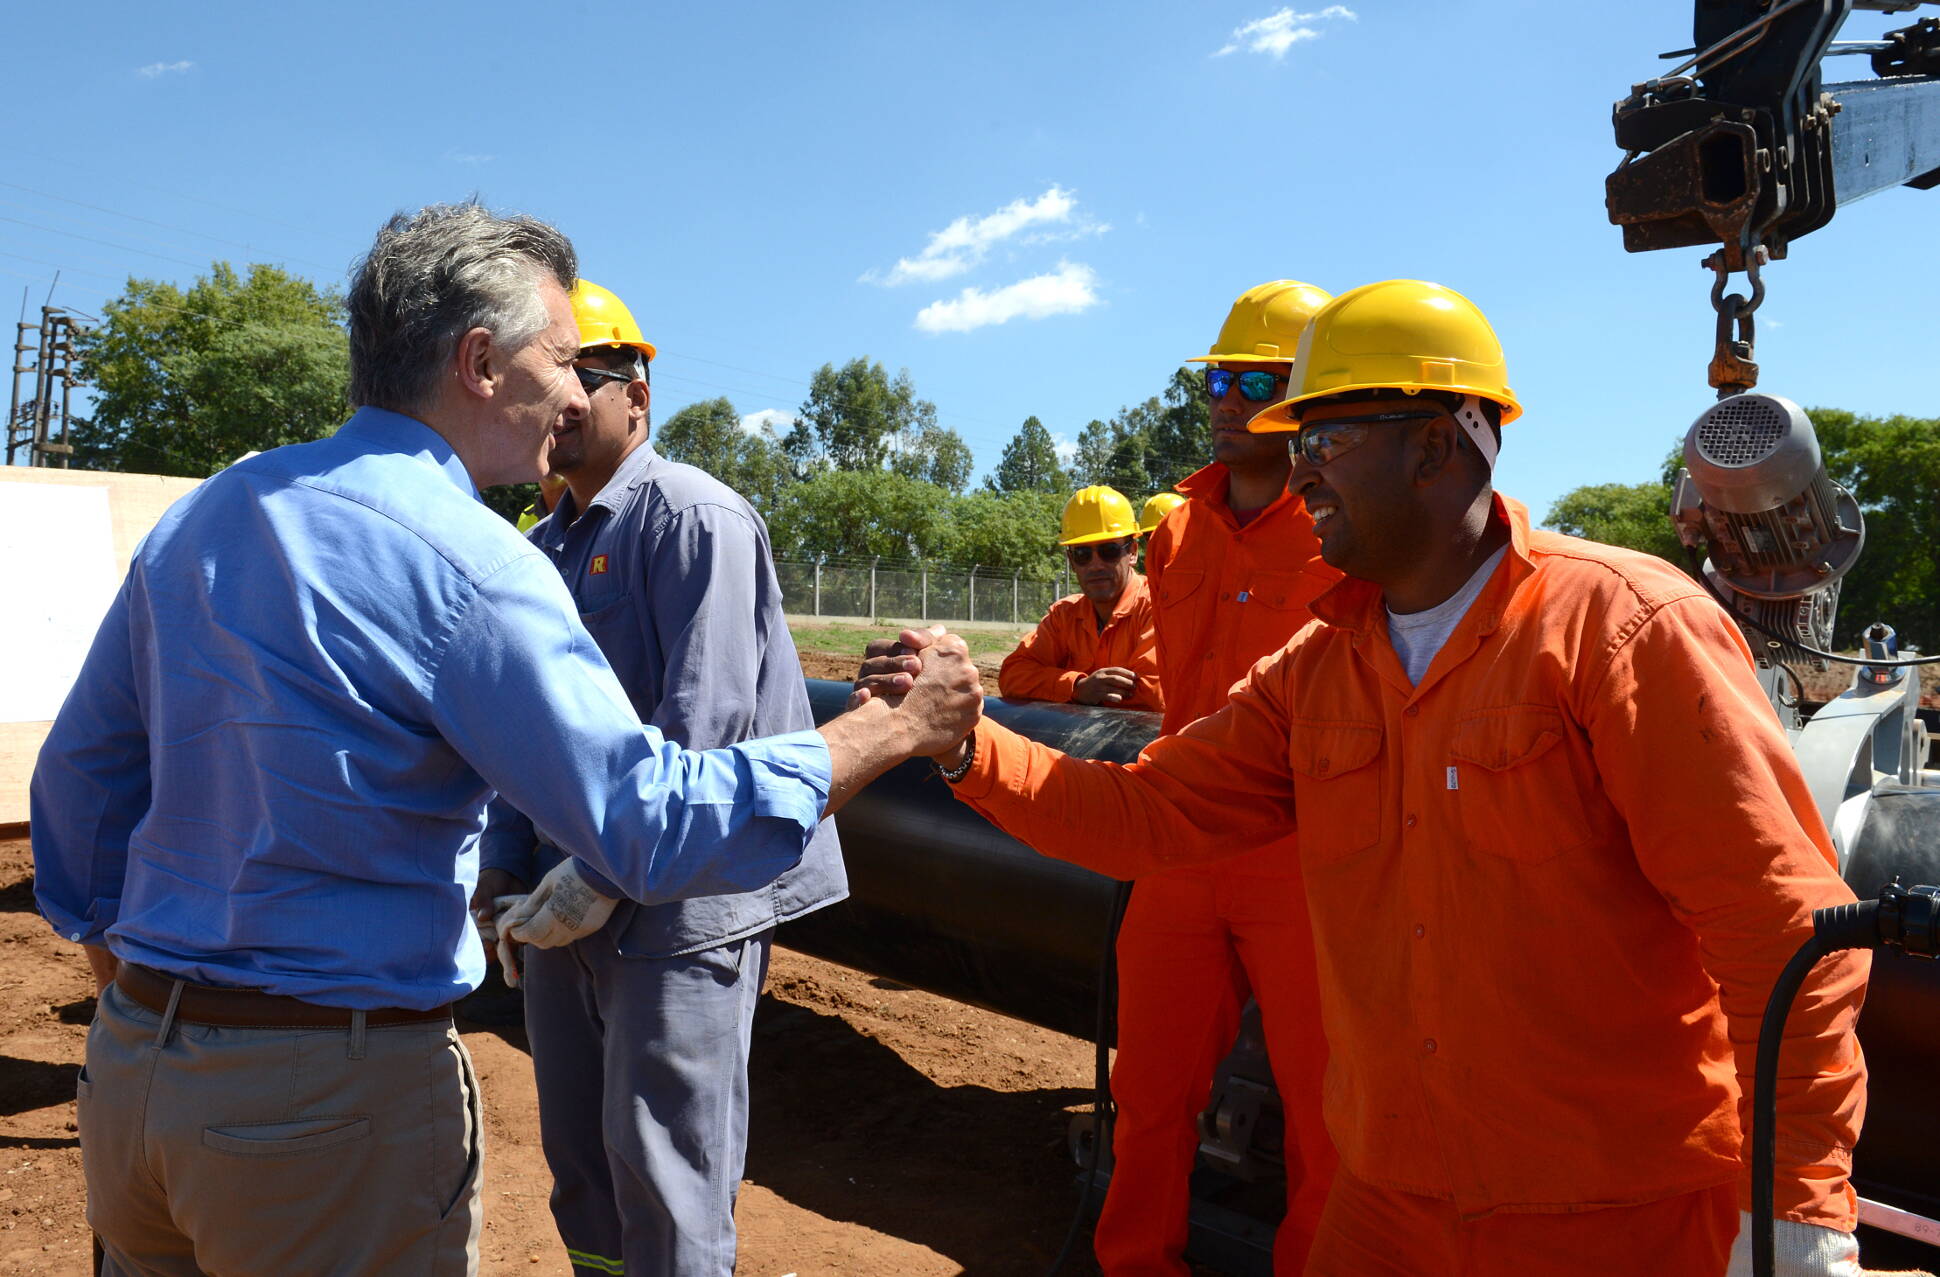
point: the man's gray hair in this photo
(435, 275)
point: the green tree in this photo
(850, 514)
(186, 382)
(1030, 463)
(853, 416)
(1636, 516)
(710, 436)
(1126, 466)
(1017, 530)
(1891, 465)
(706, 435)
(1181, 430)
(935, 454)
(1092, 459)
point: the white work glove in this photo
(560, 910)
(1801, 1250)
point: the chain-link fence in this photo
(876, 590)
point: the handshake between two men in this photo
(918, 696)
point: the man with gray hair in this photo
(260, 805)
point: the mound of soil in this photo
(895, 1134)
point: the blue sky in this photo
(1035, 208)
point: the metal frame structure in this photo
(44, 377)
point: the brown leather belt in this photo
(251, 1008)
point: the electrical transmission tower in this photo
(43, 389)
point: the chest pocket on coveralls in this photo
(1182, 625)
(1337, 791)
(1514, 788)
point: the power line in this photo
(126, 248)
(151, 222)
(66, 163)
(59, 266)
(66, 219)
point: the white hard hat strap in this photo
(1469, 417)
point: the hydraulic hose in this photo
(1906, 919)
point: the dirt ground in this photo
(895, 1134)
(842, 667)
(1823, 686)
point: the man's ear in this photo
(639, 399)
(477, 363)
(1436, 450)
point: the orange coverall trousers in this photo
(1195, 941)
(1378, 1232)
(1193, 944)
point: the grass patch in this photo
(845, 639)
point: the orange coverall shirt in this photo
(1067, 645)
(1551, 886)
(1227, 595)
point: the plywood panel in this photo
(134, 503)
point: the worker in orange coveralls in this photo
(1232, 570)
(1096, 646)
(1556, 851)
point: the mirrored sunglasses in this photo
(1255, 385)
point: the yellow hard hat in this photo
(1157, 508)
(1263, 327)
(604, 320)
(1400, 334)
(1097, 514)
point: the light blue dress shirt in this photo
(274, 766)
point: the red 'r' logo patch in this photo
(599, 564)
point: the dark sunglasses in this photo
(1255, 386)
(591, 379)
(1108, 551)
(1323, 441)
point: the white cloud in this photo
(1066, 291)
(154, 69)
(774, 419)
(1067, 449)
(965, 242)
(1277, 32)
(468, 157)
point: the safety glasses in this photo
(1324, 441)
(1108, 551)
(1255, 386)
(591, 379)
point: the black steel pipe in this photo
(940, 899)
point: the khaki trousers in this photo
(227, 1152)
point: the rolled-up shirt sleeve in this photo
(91, 787)
(651, 821)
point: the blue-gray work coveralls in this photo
(640, 1032)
